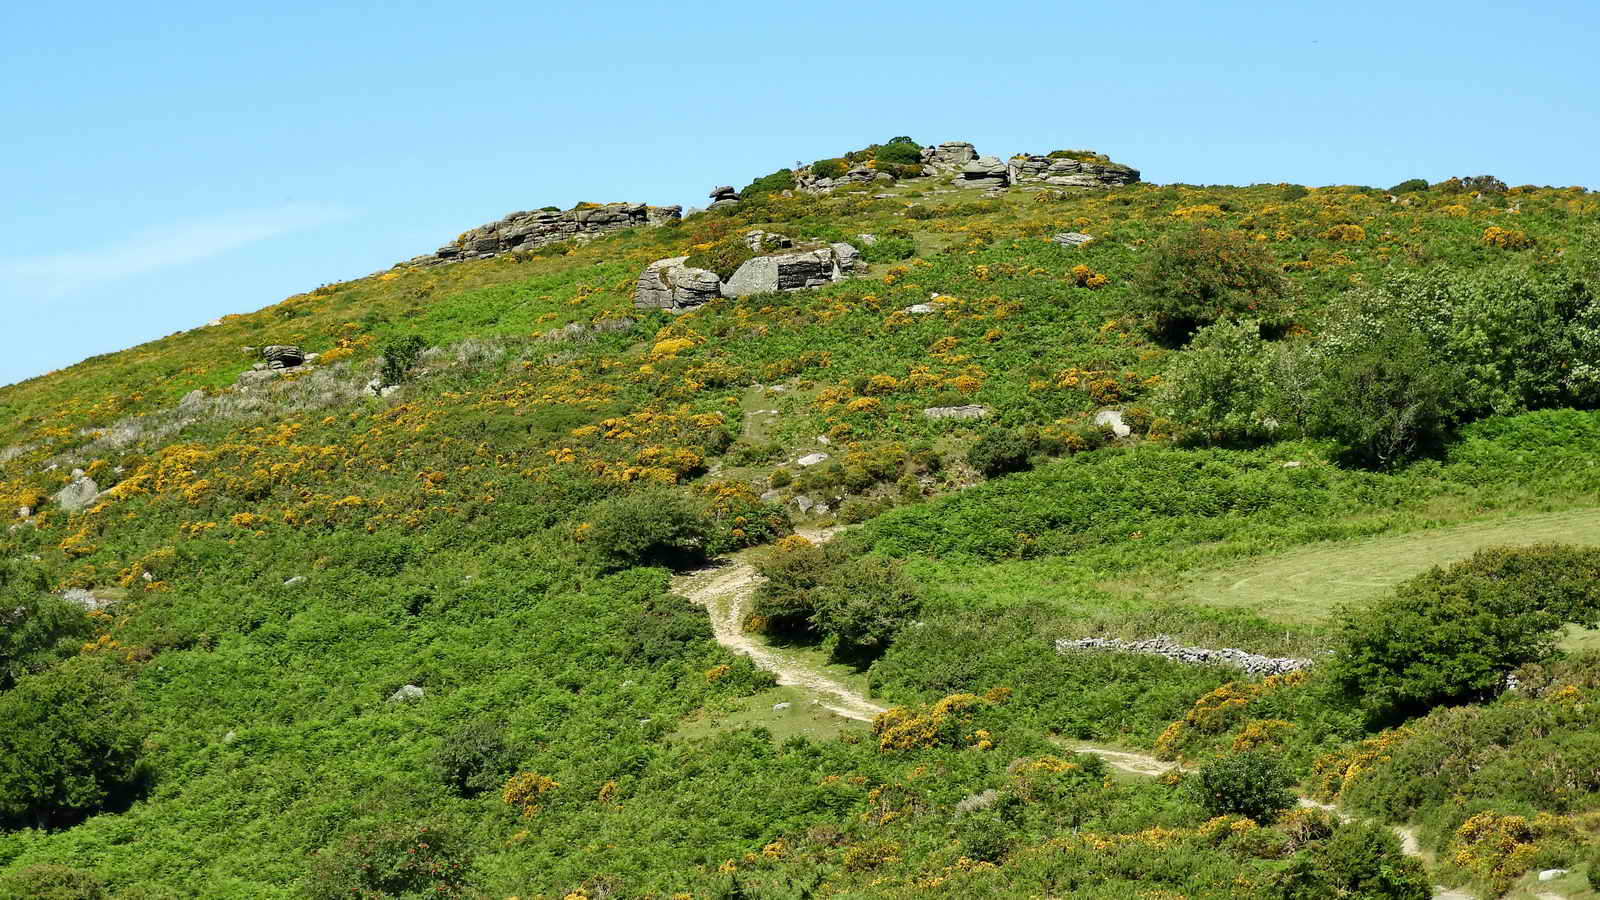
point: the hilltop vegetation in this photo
(332, 639)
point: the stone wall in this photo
(531, 230)
(1251, 663)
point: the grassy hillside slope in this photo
(273, 565)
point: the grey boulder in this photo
(971, 411)
(78, 495)
(669, 284)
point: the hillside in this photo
(414, 617)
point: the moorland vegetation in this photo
(349, 641)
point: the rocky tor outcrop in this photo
(669, 284)
(947, 157)
(531, 230)
(1067, 172)
(985, 171)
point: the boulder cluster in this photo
(961, 161)
(531, 230)
(723, 195)
(1068, 172)
(1161, 645)
(671, 285)
(275, 358)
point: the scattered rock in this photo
(24, 512)
(1029, 169)
(609, 326)
(1292, 464)
(804, 503)
(669, 284)
(80, 494)
(192, 400)
(1072, 238)
(970, 411)
(762, 241)
(975, 802)
(1161, 645)
(768, 496)
(1551, 874)
(257, 377)
(867, 240)
(213, 323)
(823, 440)
(379, 389)
(780, 707)
(283, 356)
(1113, 418)
(920, 309)
(87, 600)
(406, 694)
(811, 459)
(293, 580)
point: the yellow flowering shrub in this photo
(523, 791)
(1198, 212)
(1506, 238)
(1350, 234)
(1083, 276)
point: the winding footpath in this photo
(726, 589)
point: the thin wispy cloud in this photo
(154, 249)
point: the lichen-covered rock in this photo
(1112, 418)
(970, 411)
(1072, 239)
(283, 356)
(80, 494)
(531, 230)
(669, 284)
(985, 171)
(947, 157)
(815, 184)
(1067, 172)
(793, 270)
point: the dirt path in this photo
(726, 590)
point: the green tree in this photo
(36, 630)
(1385, 400)
(1193, 277)
(1217, 388)
(69, 741)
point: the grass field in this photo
(1301, 587)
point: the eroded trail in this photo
(725, 590)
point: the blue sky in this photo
(166, 163)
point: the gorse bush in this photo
(723, 257)
(1196, 276)
(900, 152)
(1410, 186)
(1452, 635)
(776, 183)
(829, 168)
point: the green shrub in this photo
(1386, 400)
(1217, 387)
(69, 741)
(776, 183)
(889, 249)
(900, 151)
(1195, 276)
(1293, 192)
(1410, 186)
(474, 758)
(1591, 861)
(1002, 450)
(654, 526)
(399, 358)
(780, 478)
(829, 168)
(392, 861)
(723, 257)
(51, 882)
(860, 601)
(1254, 784)
(1366, 860)
(1451, 635)
(1088, 156)
(36, 630)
